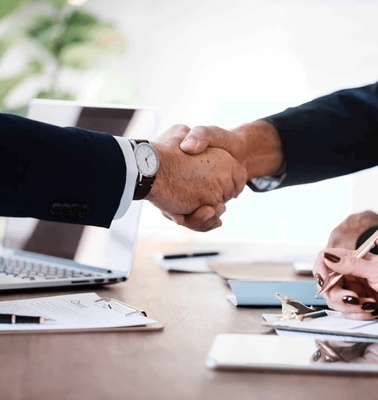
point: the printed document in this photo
(81, 311)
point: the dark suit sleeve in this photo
(330, 136)
(59, 174)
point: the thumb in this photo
(201, 137)
(345, 263)
(175, 134)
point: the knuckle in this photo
(181, 128)
(368, 216)
(350, 264)
(199, 130)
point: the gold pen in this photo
(334, 277)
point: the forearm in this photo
(263, 146)
(59, 174)
(330, 136)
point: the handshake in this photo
(201, 169)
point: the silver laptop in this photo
(36, 253)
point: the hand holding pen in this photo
(356, 295)
(334, 277)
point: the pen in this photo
(189, 255)
(20, 319)
(313, 314)
(334, 277)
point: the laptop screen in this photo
(111, 248)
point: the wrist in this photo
(264, 149)
(161, 184)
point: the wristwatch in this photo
(147, 161)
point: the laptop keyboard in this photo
(30, 270)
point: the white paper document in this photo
(333, 324)
(81, 311)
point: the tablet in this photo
(253, 352)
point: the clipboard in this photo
(82, 312)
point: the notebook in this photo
(38, 254)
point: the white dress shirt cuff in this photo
(267, 183)
(131, 176)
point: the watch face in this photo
(147, 159)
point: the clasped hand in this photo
(200, 183)
(204, 167)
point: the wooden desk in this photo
(168, 364)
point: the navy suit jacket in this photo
(330, 136)
(59, 174)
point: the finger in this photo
(234, 179)
(213, 222)
(320, 271)
(359, 316)
(368, 304)
(202, 223)
(177, 218)
(220, 209)
(348, 302)
(199, 221)
(343, 300)
(228, 190)
(201, 137)
(202, 226)
(175, 133)
(345, 263)
(239, 177)
(203, 219)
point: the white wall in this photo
(217, 61)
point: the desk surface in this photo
(168, 364)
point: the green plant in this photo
(64, 39)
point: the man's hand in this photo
(345, 235)
(185, 182)
(257, 146)
(200, 138)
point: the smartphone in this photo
(291, 354)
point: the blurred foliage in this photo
(65, 37)
(8, 7)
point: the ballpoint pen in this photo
(21, 319)
(189, 255)
(334, 277)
